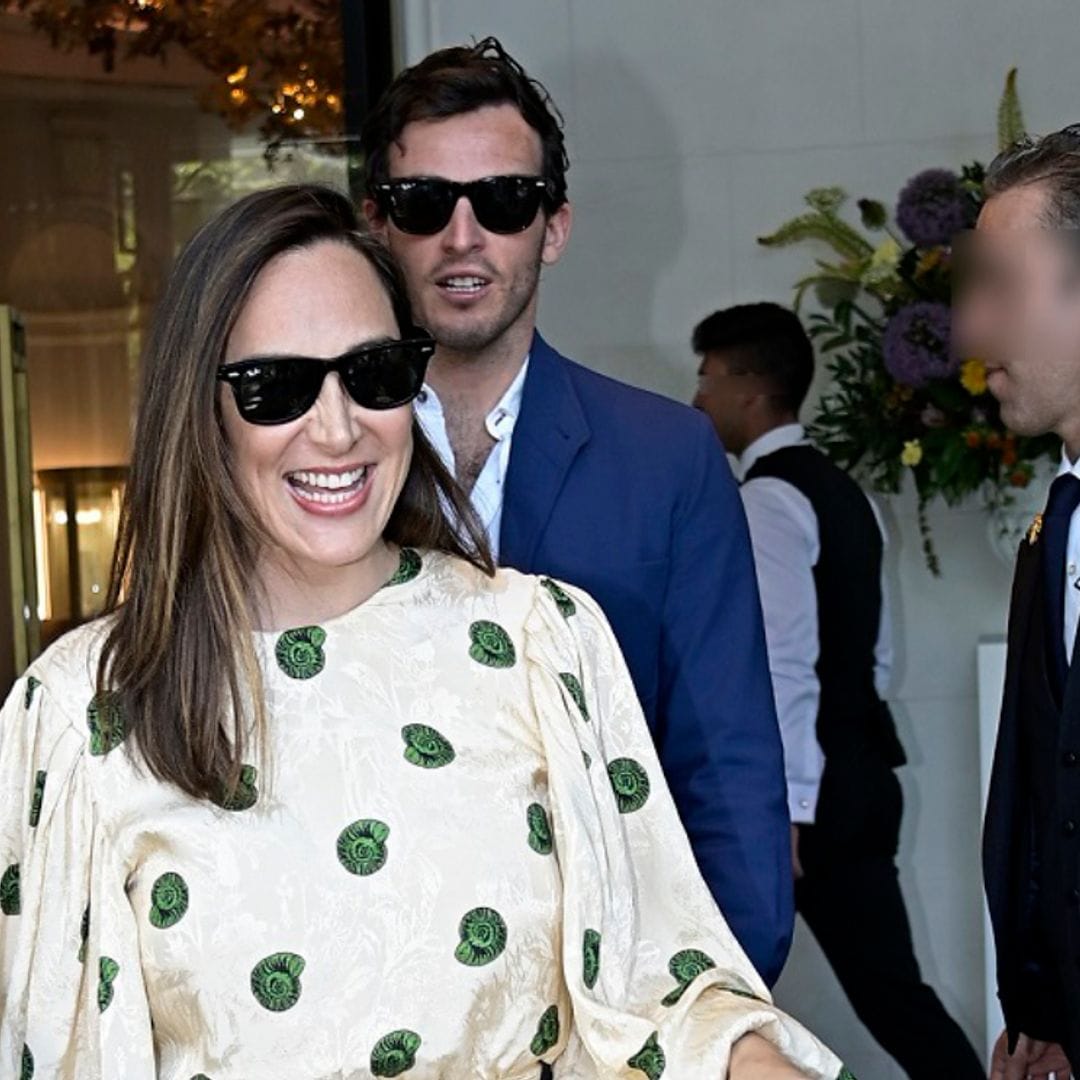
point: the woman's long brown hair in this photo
(179, 657)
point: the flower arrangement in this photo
(901, 403)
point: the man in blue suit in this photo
(616, 490)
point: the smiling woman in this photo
(219, 533)
(324, 794)
(323, 480)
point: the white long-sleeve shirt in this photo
(787, 544)
(487, 493)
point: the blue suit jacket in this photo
(629, 496)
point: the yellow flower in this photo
(911, 455)
(973, 377)
(883, 262)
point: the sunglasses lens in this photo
(422, 207)
(502, 204)
(506, 204)
(281, 389)
(388, 376)
(276, 391)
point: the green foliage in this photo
(1010, 118)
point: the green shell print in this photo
(108, 969)
(491, 645)
(539, 829)
(275, 981)
(26, 1067)
(846, 1074)
(547, 1032)
(84, 933)
(168, 901)
(574, 688)
(300, 653)
(36, 798)
(650, 1059)
(685, 967)
(106, 723)
(10, 897)
(361, 846)
(395, 1053)
(630, 783)
(31, 688)
(591, 955)
(566, 606)
(587, 758)
(409, 565)
(483, 937)
(424, 746)
(246, 794)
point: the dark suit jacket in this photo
(1031, 999)
(629, 496)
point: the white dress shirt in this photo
(787, 544)
(487, 492)
(1072, 564)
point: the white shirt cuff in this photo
(802, 802)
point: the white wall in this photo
(694, 128)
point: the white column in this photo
(991, 679)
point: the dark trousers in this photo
(850, 898)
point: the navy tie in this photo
(1063, 501)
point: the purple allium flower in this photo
(933, 207)
(916, 344)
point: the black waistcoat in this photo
(853, 722)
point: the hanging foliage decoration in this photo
(274, 66)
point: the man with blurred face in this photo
(1019, 310)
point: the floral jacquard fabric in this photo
(457, 859)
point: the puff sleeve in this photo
(72, 1002)
(658, 984)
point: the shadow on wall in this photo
(629, 224)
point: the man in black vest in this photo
(818, 545)
(1021, 310)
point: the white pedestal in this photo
(991, 678)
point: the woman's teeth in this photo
(328, 488)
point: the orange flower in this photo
(1020, 479)
(993, 441)
(974, 439)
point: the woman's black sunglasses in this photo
(423, 205)
(277, 389)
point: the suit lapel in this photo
(1025, 583)
(550, 430)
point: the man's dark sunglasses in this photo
(423, 205)
(277, 389)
